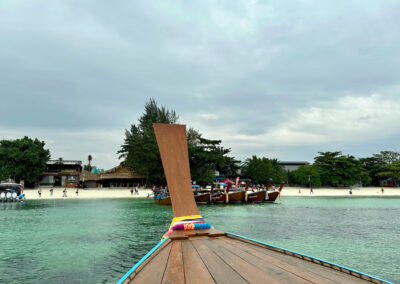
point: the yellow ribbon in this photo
(178, 219)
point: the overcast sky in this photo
(281, 79)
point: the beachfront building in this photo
(90, 179)
(120, 176)
(290, 166)
(63, 173)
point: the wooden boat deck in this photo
(210, 256)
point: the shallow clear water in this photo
(97, 241)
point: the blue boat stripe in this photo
(292, 251)
(141, 261)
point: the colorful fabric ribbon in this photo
(193, 222)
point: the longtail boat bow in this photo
(193, 252)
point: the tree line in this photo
(207, 156)
(25, 159)
(336, 169)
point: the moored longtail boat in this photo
(203, 198)
(193, 252)
(234, 196)
(163, 200)
(218, 196)
(256, 197)
(273, 195)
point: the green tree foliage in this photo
(381, 166)
(387, 157)
(392, 171)
(207, 156)
(336, 169)
(372, 167)
(23, 159)
(262, 169)
(140, 151)
(303, 175)
(388, 166)
(89, 163)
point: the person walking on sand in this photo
(51, 191)
(77, 191)
(40, 192)
(136, 190)
(132, 191)
(382, 190)
(65, 192)
(311, 190)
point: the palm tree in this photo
(89, 160)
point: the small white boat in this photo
(9, 192)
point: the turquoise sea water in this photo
(97, 241)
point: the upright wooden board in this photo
(171, 140)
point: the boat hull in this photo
(218, 197)
(236, 197)
(163, 201)
(256, 197)
(203, 198)
(272, 196)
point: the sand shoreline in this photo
(95, 193)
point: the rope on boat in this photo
(192, 222)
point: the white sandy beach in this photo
(86, 193)
(125, 193)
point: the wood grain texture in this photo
(154, 270)
(295, 265)
(247, 270)
(220, 271)
(195, 270)
(174, 272)
(171, 139)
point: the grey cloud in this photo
(93, 64)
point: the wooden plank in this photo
(216, 233)
(153, 272)
(195, 270)
(219, 270)
(153, 255)
(249, 267)
(280, 270)
(174, 272)
(308, 267)
(178, 235)
(171, 139)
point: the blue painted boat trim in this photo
(141, 261)
(321, 260)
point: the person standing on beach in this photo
(77, 190)
(311, 190)
(65, 192)
(136, 190)
(51, 191)
(382, 190)
(132, 191)
(351, 191)
(40, 192)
